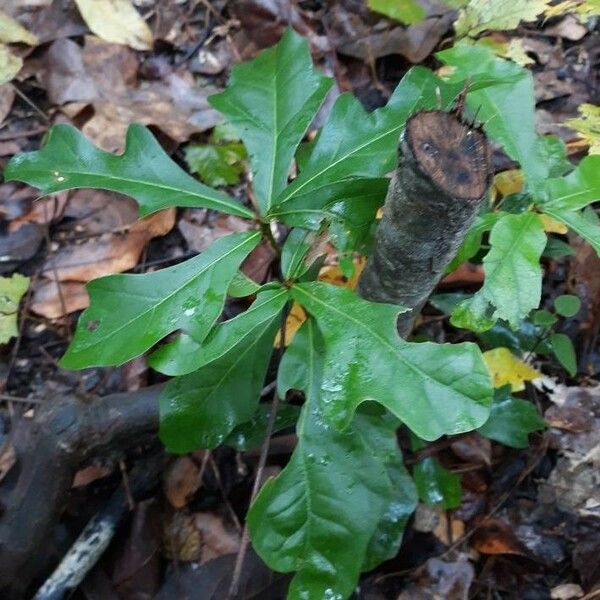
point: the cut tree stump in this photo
(436, 191)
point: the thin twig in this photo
(262, 460)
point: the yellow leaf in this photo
(329, 274)
(506, 368)
(12, 32)
(496, 15)
(508, 182)
(10, 65)
(584, 9)
(11, 291)
(588, 126)
(512, 50)
(294, 320)
(116, 21)
(552, 225)
(333, 274)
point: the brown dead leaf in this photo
(52, 299)
(90, 474)
(473, 448)
(467, 274)
(217, 539)
(181, 481)
(43, 211)
(450, 580)
(7, 97)
(108, 253)
(258, 262)
(494, 536)
(200, 228)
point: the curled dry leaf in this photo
(181, 481)
(201, 228)
(217, 538)
(494, 536)
(10, 64)
(11, 31)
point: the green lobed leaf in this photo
(201, 409)
(144, 172)
(435, 389)
(563, 349)
(574, 191)
(511, 420)
(367, 148)
(502, 95)
(319, 515)
(436, 485)
(556, 248)
(251, 434)
(513, 276)
(579, 223)
(184, 354)
(271, 101)
(128, 314)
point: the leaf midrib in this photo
(173, 293)
(379, 337)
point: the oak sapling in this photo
(340, 505)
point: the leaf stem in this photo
(262, 460)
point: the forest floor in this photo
(528, 526)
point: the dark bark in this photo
(62, 435)
(435, 193)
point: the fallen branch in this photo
(49, 449)
(434, 196)
(98, 533)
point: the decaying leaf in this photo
(499, 15)
(588, 126)
(116, 21)
(506, 368)
(11, 292)
(10, 64)
(12, 31)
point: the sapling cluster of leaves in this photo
(340, 505)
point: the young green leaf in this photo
(216, 164)
(251, 434)
(367, 149)
(271, 100)
(319, 515)
(201, 409)
(436, 485)
(144, 172)
(567, 305)
(294, 251)
(436, 388)
(184, 355)
(511, 420)
(513, 276)
(502, 96)
(562, 346)
(579, 223)
(578, 189)
(553, 152)
(128, 314)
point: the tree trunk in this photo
(436, 191)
